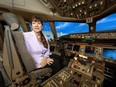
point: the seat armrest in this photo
(42, 72)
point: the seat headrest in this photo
(11, 19)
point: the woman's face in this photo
(37, 26)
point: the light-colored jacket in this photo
(36, 48)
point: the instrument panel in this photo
(78, 73)
(86, 59)
(107, 52)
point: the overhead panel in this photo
(82, 9)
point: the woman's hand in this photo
(50, 61)
(43, 62)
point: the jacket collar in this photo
(32, 33)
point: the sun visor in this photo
(12, 20)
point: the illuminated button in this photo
(73, 6)
(71, 14)
(60, 82)
(90, 7)
(85, 12)
(76, 5)
(101, 3)
(79, 3)
(75, 58)
(71, 72)
(80, 10)
(83, 2)
(95, 5)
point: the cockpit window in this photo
(64, 28)
(20, 28)
(107, 24)
(47, 30)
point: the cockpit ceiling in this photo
(30, 13)
(69, 10)
(82, 9)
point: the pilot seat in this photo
(18, 63)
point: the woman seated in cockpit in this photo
(38, 46)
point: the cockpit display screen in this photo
(76, 48)
(52, 48)
(109, 53)
(89, 49)
(69, 46)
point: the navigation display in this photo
(76, 47)
(109, 53)
(89, 49)
(69, 46)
